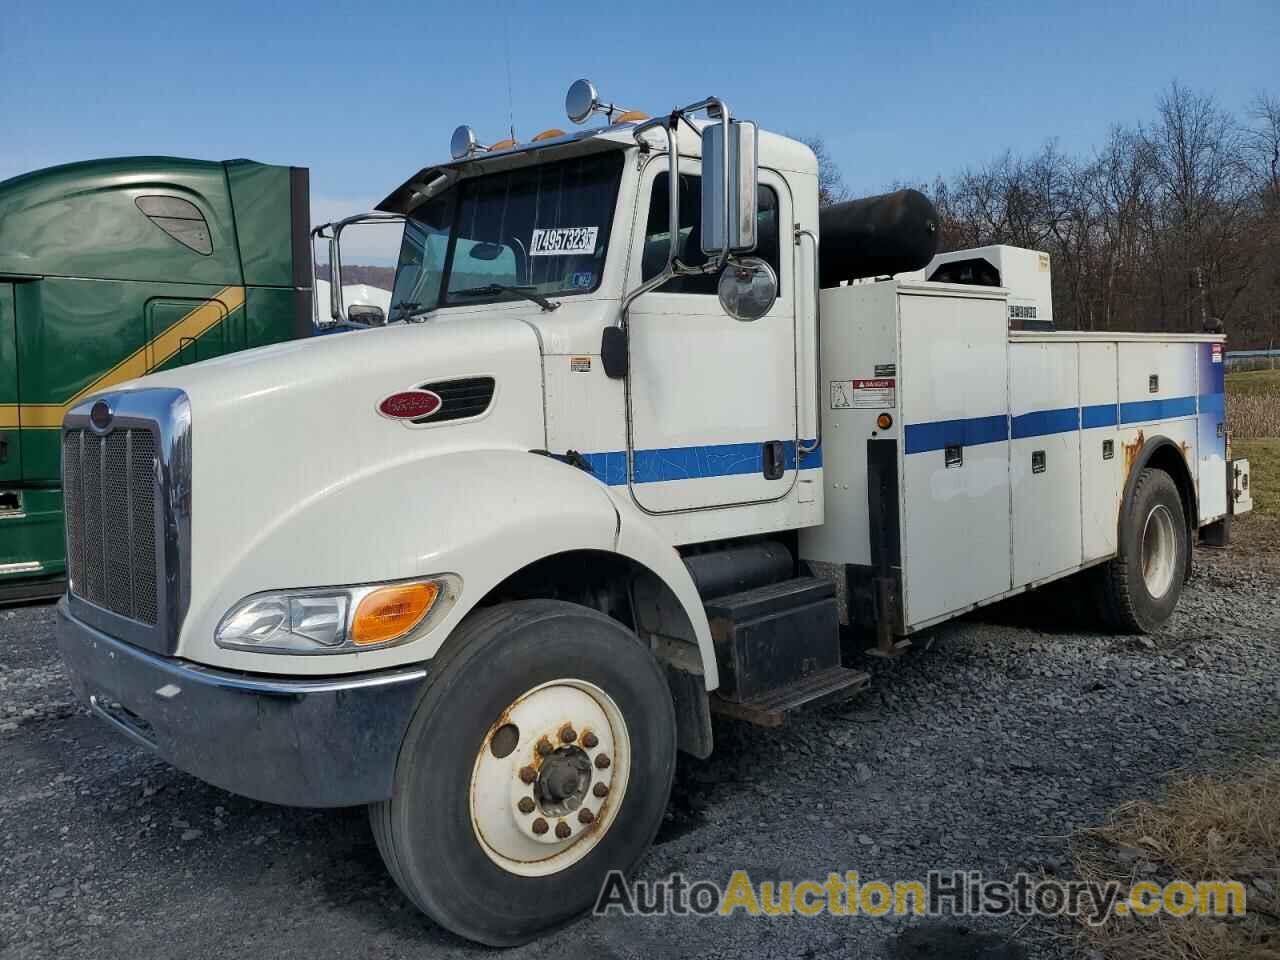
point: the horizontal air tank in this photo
(876, 236)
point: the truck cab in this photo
(487, 568)
(110, 269)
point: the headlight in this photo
(334, 620)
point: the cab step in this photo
(817, 689)
(778, 649)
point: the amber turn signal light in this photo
(884, 421)
(390, 612)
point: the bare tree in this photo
(831, 188)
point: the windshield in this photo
(542, 229)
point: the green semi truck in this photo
(110, 269)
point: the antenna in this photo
(506, 45)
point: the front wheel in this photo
(540, 758)
(1140, 587)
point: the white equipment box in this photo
(966, 461)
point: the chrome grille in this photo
(109, 488)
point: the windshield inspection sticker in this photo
(563, 241)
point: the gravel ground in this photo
(983, 751)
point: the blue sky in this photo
(365, 94)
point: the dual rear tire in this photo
(540, 758)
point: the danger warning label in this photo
(874, 394)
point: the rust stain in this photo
(1131, 451)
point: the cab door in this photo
(10, 448)
(712, 400)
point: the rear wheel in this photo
(540, 758)
(1140, 587)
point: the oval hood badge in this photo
(410, 405)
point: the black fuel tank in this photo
(876, 236)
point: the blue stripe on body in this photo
(1140, 410)
(937, 434)
(1213, 403)
(693, 463)
(922, 437)
(1099, 415)
(1041, 423)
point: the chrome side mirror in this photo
(581, 101)
(730, 180)
(748, 288)
(463, 143)
(367, 315)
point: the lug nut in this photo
(600, 789)
(568, 734)
(585, 815)
(528, 774)
(602, 761)
(539, 826)
(545, 747)
(590, 740)
(563, 830)
(526, 804)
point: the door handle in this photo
(4, 448)
(774, 460)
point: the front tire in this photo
(540, 758)
(1140, 587)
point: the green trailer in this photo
(110, 269)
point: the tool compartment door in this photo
(954, 386)
(10, 448)
(1211, 430)
(708, 392)
(1101, 457)
(1044, 458)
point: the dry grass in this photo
(1264, 473)
(1207, 828)
(1254, 381)
(1254, 414)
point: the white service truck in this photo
(638, 449)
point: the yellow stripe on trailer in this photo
(150, 355)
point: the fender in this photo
(480, 514)
(639, 540)
(1162, 448)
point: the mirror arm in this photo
(335, 280)
(335, 255)
(803, 450)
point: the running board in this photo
(817, 689)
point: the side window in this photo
(180, 219)
(657, 238)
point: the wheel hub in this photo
(1159, 551)
(563, 781)
(549, 777)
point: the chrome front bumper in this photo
(310, 742)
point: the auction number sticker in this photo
(563, 241)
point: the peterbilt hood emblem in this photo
(410, 405)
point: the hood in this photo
(293, 428)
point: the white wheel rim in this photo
(527, 805)
(1159, 551)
